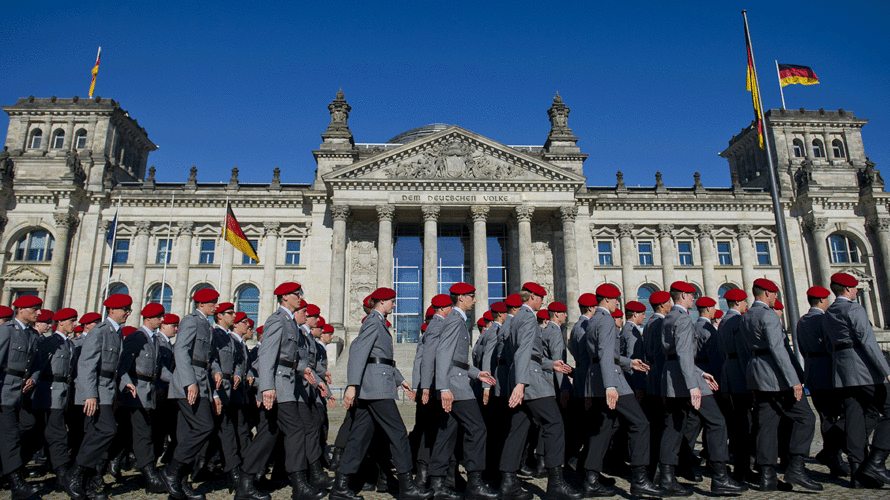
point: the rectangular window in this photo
(604, 248)
(292, 253)
(247, 260)
(684, 251)
(644, 248)
(35, 141)
(81, 141)
(724, 253)
(121, 250)
(165, 248)
(207, 249)
(763, 258)
(59, 141)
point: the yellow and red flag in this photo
(753, 87)
(792, 73)
(95, 72)
(233, 234)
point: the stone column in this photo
(818, 227)
(480, 260)
(746, 253)
(140, 259)
(708, 259)
(339, 214)
(267, 298)
(227, 262)
(7, 294)
(666, 240)
(430, 253)
(626, 241)
(881, 227)
(808, 146)
(181, 291)
(69, 134)
(526, 254)
(47, 136)
(568, 214)
(384, 245)
(64, 223)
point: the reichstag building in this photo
(432, 206)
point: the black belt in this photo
(847, 345)
(107, 374)
(144, 378)
(671, 357)
(289, 364)
(199, 363)
(732, 355)
(55, 378)
(459, 364)
(699, 361)
(226, 376)
(760, 352)
(822, 354)
(536, 359)
(382, 361)
(14, 373)
(597, 360)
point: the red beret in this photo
(705, 302)
(328, 328)
(481, 322)
(543, 313)
(206, 295)
(513, 300)
(558, 307)
(635, 306)
(587, 300)
(27, 301)
(617, 313)
(303, 305)
(735, 295)
(441, 300)
(78, 328)
(535, 288)
(240, 316)
(818, 292)
(171, 319)
(498, 307)
(152, 309)
(45, 316)
(286, 288)
(718, 314)
(777, 305)
(259, 329)
(321, 322)
(608, 291)
(118, 301)
(367, 302)
(250, 323)
(766, 284)
(224, 306)
(659, 297)
(423, 327)
(462, 289)
(127, 330)
(682, 286)
(383, 293)
(89, 318)
(313, 310)
(5, 312)
(429, 312)
(844, 279)
(487, 316)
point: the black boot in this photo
(96, 487)
(198, 467)
(670, 485)
(341, 490)
(190, 493)
(524, 467)
(244, 488)
(858, 480)
(72, 483)
(336, 453)
(318, 477)
(441, 490)
(796, 473)
(153, 483)
(832, 461)
(721, 483)
(60, 477)
(511, 488)
(477, 489)
(768, 479)
(423, 474)
(115, 466)
(593, 487)
(641, 486)
(409, 490)
(453, 479)
(19, 488)
(169, 476)
(540, 467)
(302, 490)
(558, 488)
(874, 467)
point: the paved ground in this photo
(215, 490)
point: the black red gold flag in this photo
(234, 235)
(792, 73)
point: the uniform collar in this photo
(528, 307)
(678, 306)
(20, 324)
(287, 311)
(659, 315)
(375, 311)
(761, 303)
(236, 337)
(65, 337)
(845, 298)
(462, 313)
(151, 333)
(816, 310)
(604, 310)
(114, 324)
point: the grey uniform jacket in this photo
(479, 349)
(311, 393)
(603, 349)
(282, 357)
(418, 362)
(504, 358)
(165, 365)
(97, 366)
(654, 354)
(489, 356)
(139, 366)
(846, 324)
(678, 344)
(55, 361)
(430, 345)
(228, 362)
(18, 350)
(192, 356)
(707, 349)
(240, 395)
(770, 368)
(372, 380)
(454, 348)
(735, 354)
(555, 350)
(631, 347)
(578, 348)
(813, 345)
(526, 350)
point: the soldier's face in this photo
(28, 314)
(153, 323)
(169, 330)
(300, 316)
(66, 326)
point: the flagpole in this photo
(781, 90)
(222, 244)
(167, 257)
(778, 211)
(111, 261)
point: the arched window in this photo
(36, 138)
(201, 286)
(721, 292)
(797, 145)
(118, 288)
(165, 299)
(247, 299)
(837, 148)
(842, 250)
(818, 149)
(80, 139)
(643, 294)
(693, 311)
(58, 139)
(36, 246)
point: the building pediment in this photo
(453, 155)
(24, 274)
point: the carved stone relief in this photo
(362, 268)
(542, 262)
(456, 160)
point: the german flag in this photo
(753, 87)
(792, 73)
(95, 72)
(234, 235)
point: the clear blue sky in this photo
(650, 87)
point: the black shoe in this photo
(858, 480)
(190, 493)
(525, 470)
(441, 489)
(302, 490)
(318, 477)
(386, 482)
(453, 479)
(72, 483)
(670, 485)
(558, 488)
(796, 473)
(336, 454)
(874, 467)
(169, 476)
(572, 464)
(641, 486)
(340, 490)
(511, 488)
(423, 474)
(153, 483)
(19, 488)
(96, 487)
(477, 489)
(721, 483)
(244, 488)
(768, 479)
(540, 467)
(832, 461)
(409, 490)
(593, 487)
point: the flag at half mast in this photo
(95, 72)
(753, 87)
(792, 73)
(233, 234)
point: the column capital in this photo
(340, 212)
(666, 230)
(479, 213)
(745, 230)
(385, 212)
(142, 227)
(186, 227)
(524, 213)
(625, 230)
(65, 219)
(706, 230)
(568, 213)
(879, 224)
(815, 224)
(271, 228)
(430, 213)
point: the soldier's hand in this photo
(250, 381)
(638, 365)
(217, 377)
(611, 398)
(485, 395)
(236, 382)
(517, 395)
(486, 378)
(309, 376)
(426, 396)
(588, 402)
(269, 398)
(332, 402)
(561, 367)
(695, 394)
(328, 378)
(712, 382)
(798, 391)
(29, 384)
(89, 407)
(408, 391)
(323, 389)
(132, 389)
(447, 399)
(564, 398)
(217, 406)
(349, 397)
(192, 394)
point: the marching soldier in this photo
(165, 411)
(653, 403)
(631, 346)
(5, 314)
(32, 435)
(308, 403)
(238, 403)
(555, 349)
(577, 345)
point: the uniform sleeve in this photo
(525, 339)
(41, 359)
(88, 365)
(684, 339)
(866, 336)
(129, 350)
(445, 353)
(418, 361)
(359, 351)
(775, 339)
(185, 339)
(558, 352)
(607, 335)
(488, 364)
(428, 363)
(267, 354)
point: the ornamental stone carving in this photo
(524, 213)
(340, 212)
(430, 212)
(625, 230)
(706, 230)
(745, 230)
(568, 213)
(479, 213)
(186, 227)
(142, 227)
(882, 224)
(542, 255)
(362, 267)
(385, 212)
(666, 230)
(559, 117)
(65, 219)
(457, 159)
(339, 113)
(816, 224)
(271, 228)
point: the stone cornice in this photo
(396, 185)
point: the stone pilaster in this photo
(65, 222)
(708, 259)
(526, 254)
(181, 298)
(339, 215)
(568, 214)
(818, 227)
(267, 302)
(430, 252)
(666, 240)
(384, 245)
(628, 257)
(881, 227)
(746, 254)
(140, 259)
(480, 259)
